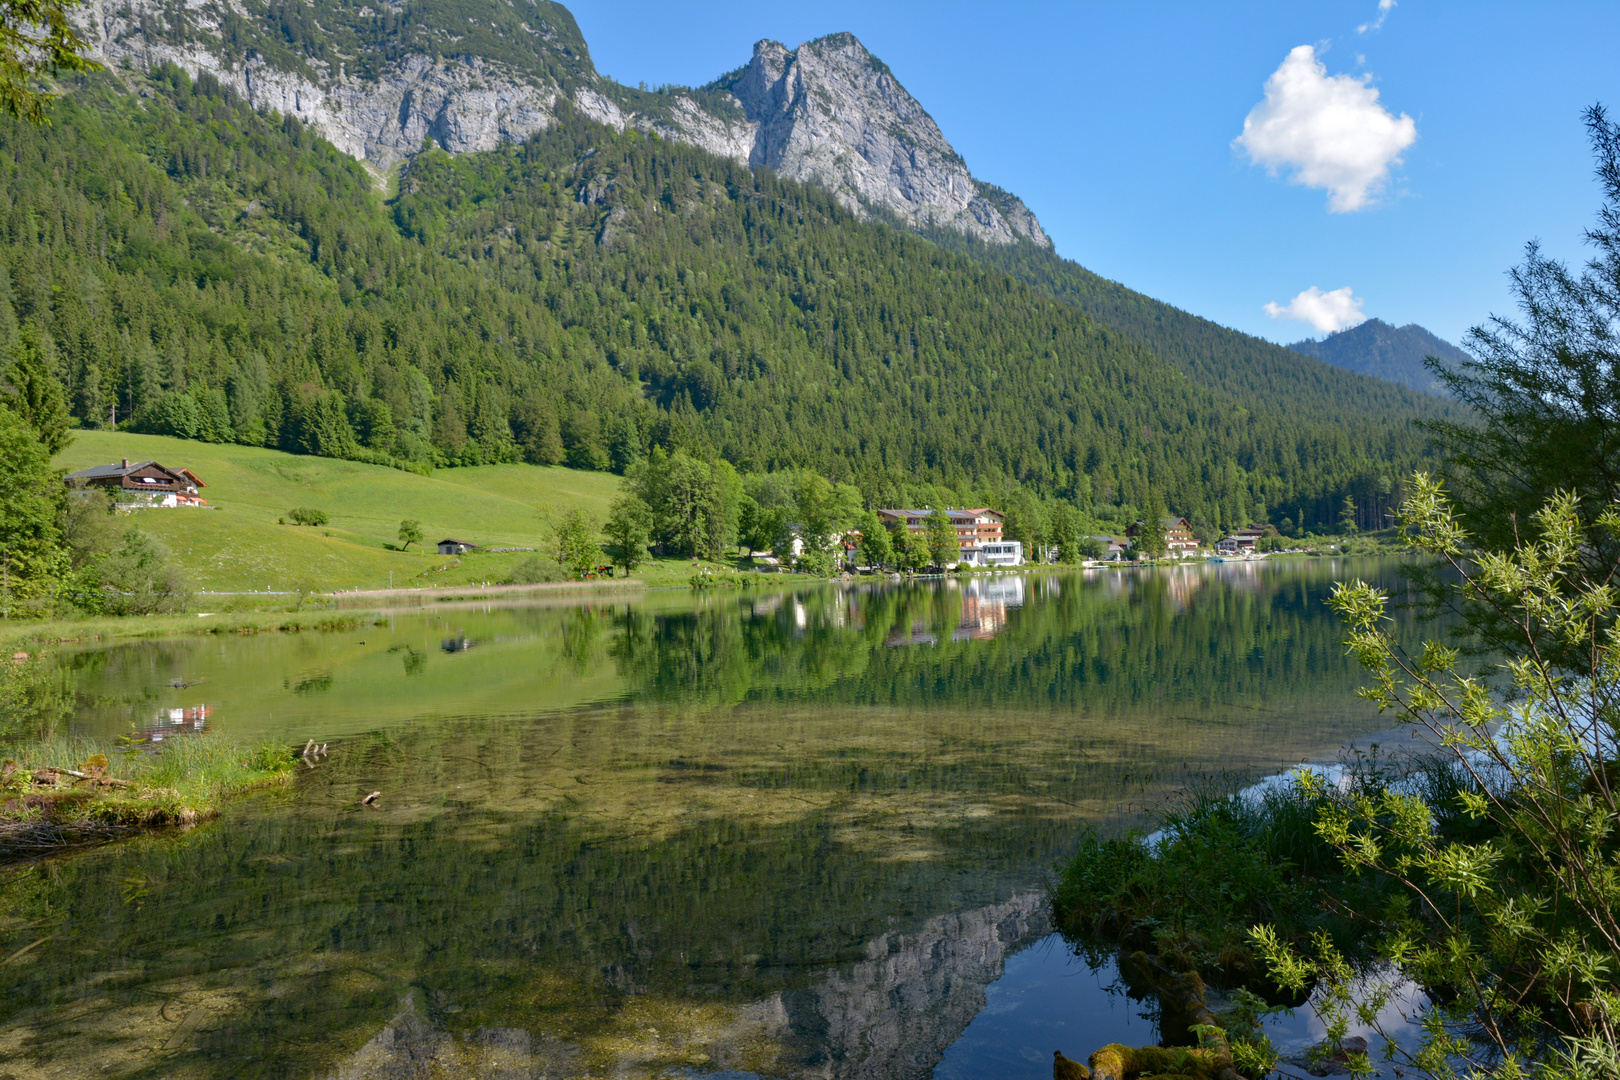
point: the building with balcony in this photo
(142, 483)
(1178, 535)
(978, 533)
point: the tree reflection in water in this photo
(794, 833)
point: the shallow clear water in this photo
(788, 834)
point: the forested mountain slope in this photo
(1389, 352)
(1214, 355)
(591, 293)
(468, 75)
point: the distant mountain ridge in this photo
(1386, 352)
(469, 75)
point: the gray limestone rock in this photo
(831, 113)
(828, 112)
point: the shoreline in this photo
(49, 809)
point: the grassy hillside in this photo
(240, 546)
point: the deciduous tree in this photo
(877, 548)
(576, 542)
(1513, 923)
(943, 548)
(629, 525)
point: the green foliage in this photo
(1513, 926)
(138, 577)
(1066, 533)
(1347, 516)
(307, 515)
(1258, 377)
(826, 512)
(37, 41)
(1151, 541)
(940, 536)
(535, 571)
(694, 506)
(1028, 521)
(628, 529)
(910, 548)
(590, 295)
(1244, 1028)
(877, 546)
(1219, 864)
(1543, 397)
(410, 532)
(766, 513)
(33, 559)
(577, 545)
(1089, 547)
(31, 391)
(709, 578)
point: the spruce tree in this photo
(31, 391)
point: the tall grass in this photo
(196, 772)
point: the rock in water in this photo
(1065, 1069)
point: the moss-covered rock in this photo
(1119, 1062)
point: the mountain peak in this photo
(377, 85)
(830, 113)
(1376, 348)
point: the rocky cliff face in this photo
(831, 113)
(379, 88)
(462, 104)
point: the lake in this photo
(791, 833)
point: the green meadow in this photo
(240, 545)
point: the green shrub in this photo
(535, 570)
(1223, 862)
(307, 515)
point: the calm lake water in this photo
(787, 834)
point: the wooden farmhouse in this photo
(142, 483)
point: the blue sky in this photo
(1116, 124)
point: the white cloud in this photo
(1329, 129)
(1329, 312)
(1384, 7)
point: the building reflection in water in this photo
(169, 723)
(984, 603)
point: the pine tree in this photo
(31, 391)
(32, 554)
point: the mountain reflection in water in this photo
(777, 834)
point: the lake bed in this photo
(795, 833)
